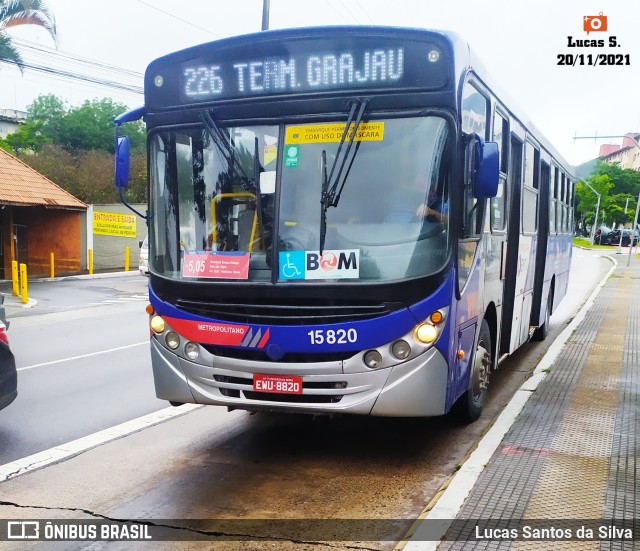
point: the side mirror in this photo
(487, 174)
(122, 163)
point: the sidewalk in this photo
(14, 303)
(566, 475)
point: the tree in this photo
(74, 147)
(91, 126)
(587, 200)
(42, 126)
(618, 188)
(88, 175)
(14, 13)
(624, 180)
(83, 128)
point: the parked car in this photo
(8, 373)
(602, 236)
(143, 263)
(626, 237)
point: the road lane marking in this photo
(80, 445)
(82, 356)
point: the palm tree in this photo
(22, 12)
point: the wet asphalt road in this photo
(210, 464)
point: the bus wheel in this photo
(475, 397)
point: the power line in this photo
(179, 19)
(336, 11)
(348, 11)
(43, 51)
(83, 78)
(357, 2)
(68, 67)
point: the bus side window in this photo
(530, 189)
(553, 201)
(498, 203)
(475, 112)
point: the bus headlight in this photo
(172, 339)
(372, 359)
(426, 333)
(401, 349)
(157, 324)
(191, 350)
(429, 330)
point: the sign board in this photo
(114, 224)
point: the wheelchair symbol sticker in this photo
(291, 264)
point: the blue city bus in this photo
(343, 220)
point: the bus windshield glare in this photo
(214, 220)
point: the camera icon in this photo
(594, 23)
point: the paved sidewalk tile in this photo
(573, 452)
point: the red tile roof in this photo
(21, 185)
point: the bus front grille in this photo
(287, 313)
(256, 355)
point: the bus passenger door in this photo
(543, 269)
(511, 314)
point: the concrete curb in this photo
(12, 302)
(90, 276)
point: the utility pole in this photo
(595, 222)
(633, 229)
(621, 227)
(265, 15)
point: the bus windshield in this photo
(214, 219)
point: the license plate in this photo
(277, 384)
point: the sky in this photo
(521, 44)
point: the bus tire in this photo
(475, 397)
(541, 332)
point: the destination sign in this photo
(283, 63)
(294, 73)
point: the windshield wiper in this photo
(323, 213)
(332, 187)
(256, 182)
(222, 143)
(226, 148)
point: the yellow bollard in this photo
(24, 293)
(15, 281)
(53, 271)
(90, 261)
(127, 254)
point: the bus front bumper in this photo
(414, 388)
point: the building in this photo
(37, 218)
(627, 155)
(10, 120)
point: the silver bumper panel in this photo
(415, 388)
